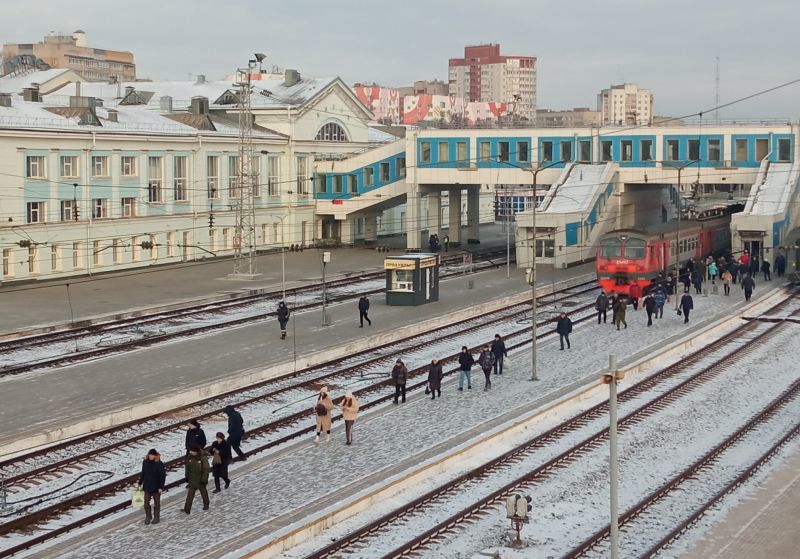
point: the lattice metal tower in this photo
(244, 240)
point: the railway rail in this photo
(84, 343)
(269, 435)
(726, 350)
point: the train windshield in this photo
(634, 248)
(610, 248)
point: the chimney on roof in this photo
(291, 77)
(31, 93)
(165, 103)
(5, 99)
(98, 102)
(113, 115)
(77, 101)
(129, 89)
(201, 78)
(199, 105)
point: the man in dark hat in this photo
(235, 431)
(152, 480)
(194, 435)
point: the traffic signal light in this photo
(210, 221)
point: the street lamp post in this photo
(611, 377)
(678, 229)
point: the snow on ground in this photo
(262, 490)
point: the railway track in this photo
(655, 392)
(269, 435)
(80, 344)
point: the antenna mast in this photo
(716, 94)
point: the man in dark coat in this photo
(660, 298)
(400, 377)
(500, 353)
(435, 379)
(748, 284)
(152, 480)
(620, 306)
(601, 305)
(465, 363)
(221, 459)
(363, 309)
(486, 361)
(195, 435)
(697, 280)
(196, 472)
(765, 269)
(780, 265)
(283, 318)
(733, 268)
(564, 328)
(235, 431)
(649, 307)
(687, 304)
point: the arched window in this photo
(331, 132)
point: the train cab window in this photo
(610, 248)
(635, 248)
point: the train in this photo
(627, 256)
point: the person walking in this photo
(686, 304)
(669, 286)
(712, 271)
(564, 329)
(620, 308)
(780, 265)
(152, 480)
(194, 435)
(235, 431)
(196, 472)
(601, 306)
(686, 279)
(744, 260)
(635, 292)
(486, 361)
(748, 284)
(435, 379)
(446, 241)
(465, 363)
(660, 300)
(322, 410)
(709, 262)
(400, 377)
(765, 268)
(363, 310)
(727, 277)
(221, 458)
(500, 353)
(697, 280)
(755, 265)
(283, 318)
(349, 407)
(649, 307)
(733, 268)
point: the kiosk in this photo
(412, 279)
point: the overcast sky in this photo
(582, 45)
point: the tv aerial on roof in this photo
(260, 56)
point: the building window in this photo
(69, 210)
(444, 152)
(585, 151)
(545, 248)
(100, 208)
(503, 149)
(715, 150)
(646, 150)
(69, 166)
(762, 148)
(153, 247)
(116, 251)
(784, 149)
(547, 151)
(179, 182)
(170, 245)
(155, 179)
(33, 263)
(35, 212)
(100, 166)
(129, 207)
(694, 150)
(627, 150)
(35, 166)
(8, 264)
(425, 152)
(523, 152)
(331, 132)
(352, 180)
(77, 256)
(606, 151)
(462, 158)
(234, 176)
(566, 151)
(369, 176)
(273, 186)
(97, 256)
(401, 167)
(226, 238)
(485, 151)
(322, 184)
(337, 184)
(129, 166)
(741, 149)
(385, 175)
(212, 172)
(302, 174)
(136, 249)
(672, 150)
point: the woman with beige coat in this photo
(323, 410)
(349, 408)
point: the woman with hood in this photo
(435, 379)
(349, 408)
(323, 410)
(152, 480)
(235, 431)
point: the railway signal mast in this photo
(244, 241)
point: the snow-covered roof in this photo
(773, 194)
(15, 84)
(374, 135)
(578, 191)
